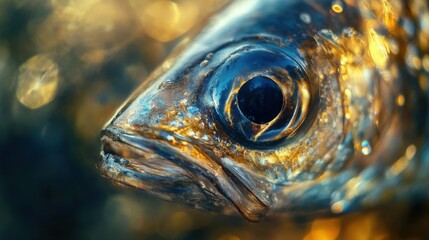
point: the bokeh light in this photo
(37, 81)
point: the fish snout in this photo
(160, 170)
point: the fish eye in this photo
(261, 93)
(260, 100)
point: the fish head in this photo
(221, 125)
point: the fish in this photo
(283, 107)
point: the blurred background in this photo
(65, 66)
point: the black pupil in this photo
(260, 100)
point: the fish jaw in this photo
(139, 162)
(141, 159)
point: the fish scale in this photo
(351, 132)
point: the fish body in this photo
(283, 106)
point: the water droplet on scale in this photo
(366, 148)
(204, 63)
(37, 81)
(305, 18)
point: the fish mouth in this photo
(165, 171)
(136, 162)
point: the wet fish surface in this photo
(284, 107)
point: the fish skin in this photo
(181, 135)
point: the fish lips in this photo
(162, 170)
(134, 161)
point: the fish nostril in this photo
(260, 100)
